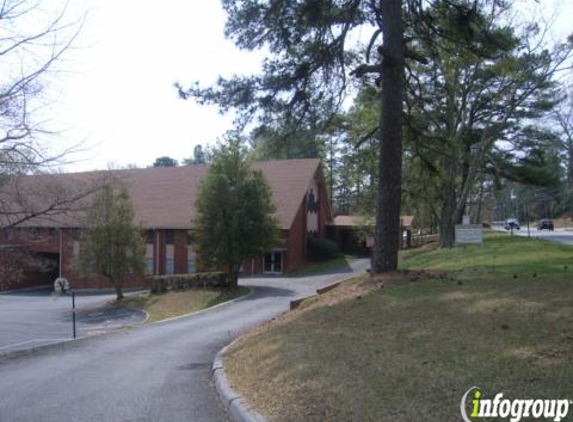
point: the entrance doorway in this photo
(273, 262)
(41, 269)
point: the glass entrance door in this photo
(273, 262)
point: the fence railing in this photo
(414, 240)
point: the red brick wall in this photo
(180, 253)
(324, 214)
(40, 240)
(159, 251)
(94, 281)
(252, 266)
(48, 241)
(295, 255)
(37, 240)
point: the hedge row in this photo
(321, 249)
(162, 283)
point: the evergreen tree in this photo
(111, 245)
(165, 162)
(201, 155)
(235, 215)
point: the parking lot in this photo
(37, 317)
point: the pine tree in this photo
(235, 215)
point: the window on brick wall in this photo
(169, 267)
(149, 259)
(149, 266)
(169, 259)
(169, 237)
(76, 248)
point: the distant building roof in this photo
(407, 220)
(358, 220)
(348, 220)
(164, 197)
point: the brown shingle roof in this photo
(164, 197)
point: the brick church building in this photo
(164, 200)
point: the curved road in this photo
(559, 235)
(154, 373)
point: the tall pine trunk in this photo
(387, 230)
(234, 276)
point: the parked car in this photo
(545, 224)
(511, 223)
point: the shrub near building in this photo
(321, 249)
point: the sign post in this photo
(469, 234)
(61, 285)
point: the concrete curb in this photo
(329, 287)
(295, 303)
(233, 403)
(26, 289)
(33, 351)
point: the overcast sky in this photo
(119, 98)
(117, 95)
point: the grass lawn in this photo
(405, 347)
(175, 303)
(321, 267)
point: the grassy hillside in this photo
(407, 346)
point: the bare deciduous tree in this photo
(33, 38)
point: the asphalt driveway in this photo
(151, 373)
(35, 317)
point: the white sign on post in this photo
(61, 285)
(469, 234)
